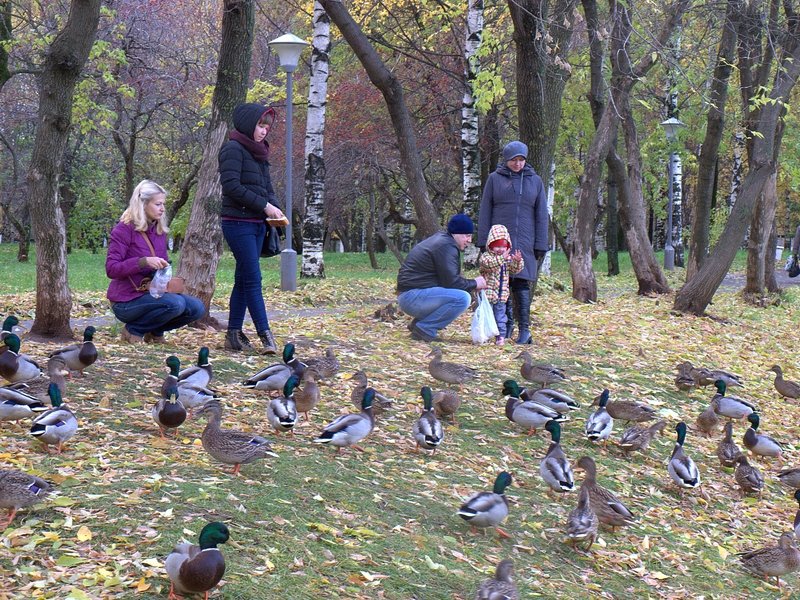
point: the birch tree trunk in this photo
(203, 245)
(314, 219)
(737, 169)
(470, 152)
(402, 122)
(63, 63)
(676, 166)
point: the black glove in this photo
(539, 254)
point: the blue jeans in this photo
(434, 308)
(146, 314)
(501, 318)
(245, 240)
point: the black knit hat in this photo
(460, 223)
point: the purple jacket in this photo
(125, 249)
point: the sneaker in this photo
(149, 338)
(130, 337)
(421, 336)
(270, 345)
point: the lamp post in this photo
(671, 127)
(288, 47)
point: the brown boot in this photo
(270, 345)
(236, 340)
(149, 338)
(130, 337)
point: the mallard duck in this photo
(558, 401)
(20, 490)
(275, 376)
(747, 476)
(758, 443)
(638, 437)
(609, 509)
(16, 404)
(7, 328)
(380, 403)
(628, 410)
(707, 421)
(501, 587)
(16, 367)
(681, 467)
(600, 424)
(348, 430)
(488, 509)
(449, 372)
(528, 414)
(197, 569)
(230, 446)
(683, 380)
(731, 407)
(427, 429)
(169, 413)
(540, 373)
(703, 376)
(326, 366)
(796, 523)
(554, 468)
(446, 403)
(307, 396)
(57, 372)
(727, 450)
(582, 521)
(773, 561)
(79, 356)
(57, 425)
(786, 388)
(790, 478)
(198, 375)
(282, 411)
(190, 395)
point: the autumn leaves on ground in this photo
(383, 523)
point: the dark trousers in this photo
(245, 240)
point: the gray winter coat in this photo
(518, 201)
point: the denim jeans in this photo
(500, 317)
(146, 314)
(245, 240)
(434, 308)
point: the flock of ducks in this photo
(293, 386)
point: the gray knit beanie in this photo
(515, 148)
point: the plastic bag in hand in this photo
(484, 327)
(158, 285)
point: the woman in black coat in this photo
(247, 199)
(514, 196)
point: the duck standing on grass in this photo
(501, 586)
(554, 468)
(16, 367)
(600, 424)
(582, 521)
(681, 467)
(348, 430)
(20, 490)
(307, 396)
(79, 356)
(427, 429)
(727, 450)
(609, 509)
(488, 509)
(195, 569)
(16, 404)
(541, 373)
(731, 407)
(446, 404)
(790, 477)
(747, 476)
(272, 378)
(758, 443)
(528, 414)
(449, 372)
(282, 411)
(57, 425)
(198, 375)
(773, 561)
(168, 413)
(786, 388)
(638, 437)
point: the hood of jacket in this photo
(247, 116)
(498, 232)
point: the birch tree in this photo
(470, 152)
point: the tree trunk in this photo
(612, 227)
(695, 296)
(542, 33)
(737, 169)
(389, 86)
(314, 217)
(760, 229)
(470, 151)
(203, 245)
(6, 35)
(63, 63)
(709, 150)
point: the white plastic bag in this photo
(484, 327)
(158, 285)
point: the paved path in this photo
(735, 281)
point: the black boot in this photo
(522, 301)
(236, 340)
(511, 309)
(270, 346)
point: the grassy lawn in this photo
(382, 524)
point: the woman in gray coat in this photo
(514, 196)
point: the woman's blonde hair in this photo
(135, 215)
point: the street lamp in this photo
(671, 127)
(289, 47)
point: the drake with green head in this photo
(200, 374)
(78, 357)
(758, 443)
(681, 467)
(488, 509)
(274, 377)
(348, 430)
(195, 569)
(731, 407)
(7, 328)
(530, 415)
(555, 468)
(230, 446)
(282, 411)
(57, 425)
(169, 413)
(427, 429)
(20, 490)
(600, 424)
(558, 401)
(16, 367)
